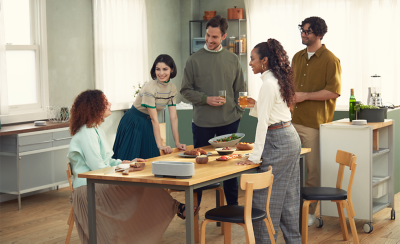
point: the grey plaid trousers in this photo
(281, 151)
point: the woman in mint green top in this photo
(124, 214)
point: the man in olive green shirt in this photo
(317, 80)
(208, 71)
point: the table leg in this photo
(91, 211)
(189, 215)
(301, 161)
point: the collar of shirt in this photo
(214, 51)
(163, 83)
(317, 53)
(267, 74)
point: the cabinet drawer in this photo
(36, 146)
(33, 139)
(61, 134)
(61, 142)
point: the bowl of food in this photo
(225, 150)
(202, 159)
(228, 140)
(245, 146)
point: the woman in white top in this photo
(277, 142)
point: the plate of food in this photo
(229, 157)
(225, 150)
(194, 153)
(228, 140)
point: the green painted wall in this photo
(70, 49)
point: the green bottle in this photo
(352, 111)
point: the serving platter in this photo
(183, 155)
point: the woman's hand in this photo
(182, 147)
(250, 102)
(166, 149)
(247, 162)
(126, 162)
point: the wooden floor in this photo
(43, 219)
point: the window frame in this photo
(37, 111)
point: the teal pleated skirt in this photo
(135, 137)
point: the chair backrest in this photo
(69, 175)
(345, 159)
(174, 150)
(250, 182)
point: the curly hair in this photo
(278, 63)
(317, 25)
(88, 109)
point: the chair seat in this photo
(323, 193)
(234, 214)
(212, 186)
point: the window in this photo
(24, 30)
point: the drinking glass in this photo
(243, 99)
(222, 94)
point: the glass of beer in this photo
(222, 94)
(243, 99)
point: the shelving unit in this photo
(373, 186)
(238, 21)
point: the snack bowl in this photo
(214, 143)
(223, 151)
(202, 159)
(245, 146)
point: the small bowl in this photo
(249, 146)
(202, 159)
(220, 151)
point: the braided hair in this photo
(278, 63)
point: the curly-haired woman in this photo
(277, 142)
(138, 133)
(124, 214)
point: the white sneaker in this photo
(311, 219)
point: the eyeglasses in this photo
(306, 32)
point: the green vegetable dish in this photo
(362, 106)
(229, 138)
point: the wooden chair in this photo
(338, 195)
(243, 215)
(215, 186)
(71, 220)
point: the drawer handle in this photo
(36, 143)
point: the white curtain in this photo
(363, 34)
(120, 40)
(3, 67)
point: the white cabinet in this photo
(373, 186)
(33, 161)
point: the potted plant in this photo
(371, 113)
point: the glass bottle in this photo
(352, 105)
(231, 44)
(244, 42)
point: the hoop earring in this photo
(262, 66)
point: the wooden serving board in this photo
(131, 169)
(229, 157)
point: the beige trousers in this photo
(310, 139)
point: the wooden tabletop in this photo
(377, 125)
(203, 172)
(29, 127)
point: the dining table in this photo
(205, 174)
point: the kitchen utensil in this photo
(209, 15)
(221, 151)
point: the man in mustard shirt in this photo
(317, 80)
